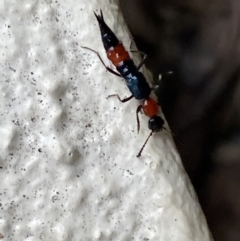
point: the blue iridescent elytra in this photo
(135, 80)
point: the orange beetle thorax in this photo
(117, 54)
(150, 107)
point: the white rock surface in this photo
(68, 166)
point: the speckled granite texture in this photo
(68, 165)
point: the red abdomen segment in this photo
(150, 107)
(117, 54)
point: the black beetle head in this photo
(155, 123)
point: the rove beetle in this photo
(135, 80)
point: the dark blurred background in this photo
(199, 40)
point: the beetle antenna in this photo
(174, 136)
(140, 152)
